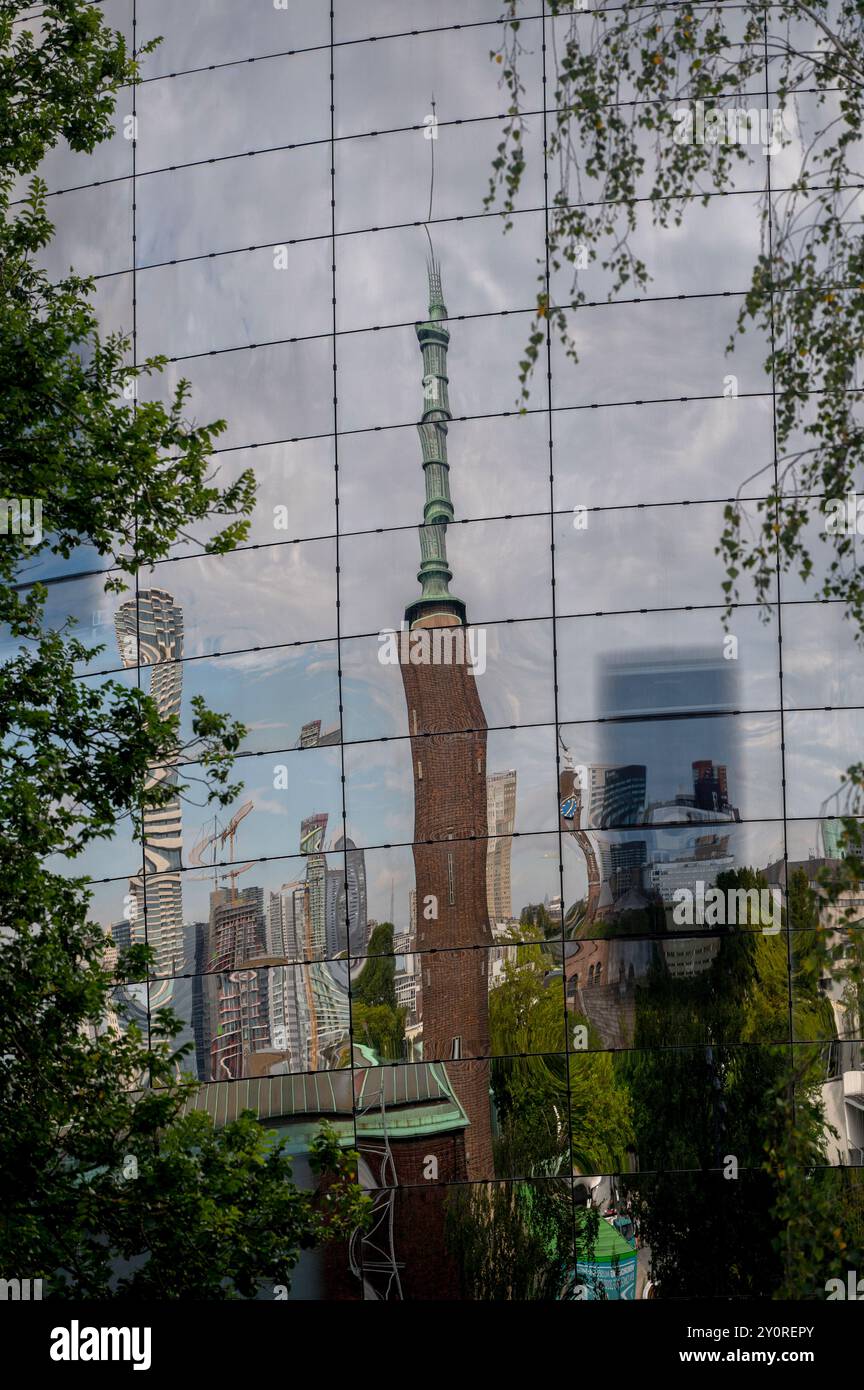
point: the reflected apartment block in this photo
(236, 1007)
(238, 931)
(407, 978)
(286, 928)
(501, 812)
(311, 736)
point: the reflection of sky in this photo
(642, 558)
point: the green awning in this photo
(607, 1245)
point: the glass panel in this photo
(202, 32)
(469, 1263)
(501, 569)
(664, 557)
(696, 1104)
(736, 668)
(294, 500)
(262, 1022)
(234, 301)
(676, 991)
(379, 272)
(94, 231)
(384, 179)
(827, 991)
(379, 374)
(371, 462)
(268, 395)
(259, 911)
(516, 687)
(385, 84)
(673, 452)
(734, 1218)
(710, 770)
(277, 693)
(661, 352)
(821, 659)
(713, 251)
(395, 16)
(285, 790)
(234, 110)
(521, 877)
(445, 1005)
(380, 785)
(249, 599)
(178, 211)
(635, 883)
(84, 603)
(820, 746)
(832, 1073)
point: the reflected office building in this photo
(663, 804)
(276, 1000)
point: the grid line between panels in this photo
(653, 938)
(778, 574)
(335, 380)
(547, 288)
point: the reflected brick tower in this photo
(448, 749)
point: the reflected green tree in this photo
(113, 1185)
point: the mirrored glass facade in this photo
(503, 756)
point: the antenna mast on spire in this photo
(433, 137)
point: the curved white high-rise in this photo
(150, 633)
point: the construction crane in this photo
(220, 836)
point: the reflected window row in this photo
(629, 868)
(701, 774)
(514, 999)
(675, 889)
(178, 208)
(187, 118)
(272, 595)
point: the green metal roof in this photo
(412, 1099)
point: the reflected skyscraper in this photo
(312, 832)
(150, 633)
(321, 987)
(671, 770)
(351, 909)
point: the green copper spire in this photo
(435, 573)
